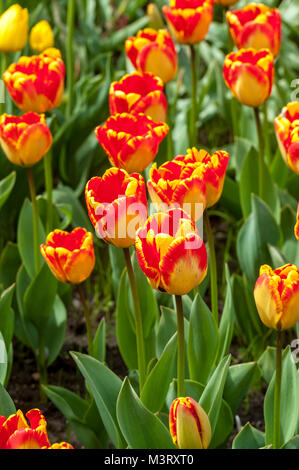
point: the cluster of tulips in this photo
(167, 241)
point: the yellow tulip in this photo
(13, 29)
(41, 36)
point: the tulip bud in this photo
(276, 296)
(296, 229)
(155, 18)
(41, 36)
(189, 424)
(13, 29)
(226, 3)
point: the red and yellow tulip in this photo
(131, 141)
(70, 256)
(191, 181)
(139, 92)
(256, 26)
(189, 424)
(276, 296)
(249, 74)
(171, 253)
(17, 433)
(25, 139)
(13, 29)
(154, 52)
(36, 83)
(287, 133)
(189, 20)
(117, 206)
(41, 36)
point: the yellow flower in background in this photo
(13, 29)
(41, 36)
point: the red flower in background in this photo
(138, 92)
(154, 52)
(287, 134)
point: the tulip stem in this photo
(212, 266)
(138, 320)
(35, 221)
(193, 109)
(261, 153)
(181, 347)
(266, 133)
(276, 437)
(49, 189)
(87, 319)
(70, 56)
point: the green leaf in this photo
(105, 387)
(99, 342)
(202, 341)
(226, 327)
(224, 426)
(289, 404)
(292, 443)
(7, 406)
(6, 186)
(26, 239)
(9, 264)
(7, 315)
(39, 298)
(240, 377)
(156, 386)
(249, 438)
(140, 427)
(267, 363)
(55, 329)
(259, 229)
(211, 398)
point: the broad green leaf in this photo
(202, 341)
(9, 264)
(99, 342)
(105, 387)
(226, 327)
(267, 363)
(26, 238)
(7, 315)
(156, 386)
(249, 438)
(259, 229)
(292, 443)
(55, 329)
(6, 186)
(211, 398)
(7, 406)
(289, 404)
(141, 428)
(240, 377)
(224, 426)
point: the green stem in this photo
(87, 319)
(181, 347)
(276, 437)
(170, 150)
(213, 266)
(261, 153)
(69, 56)
(49, 189)
(35, 221)
(193, 109)
(138, 320)
(266, 133)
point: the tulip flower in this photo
(70, 256)
(25, 139)
(36, 83)
(192, 182)
(296, 228)
(41, 36)
(249, 74)
(276, 296)
(117, 206)
(131, 141)
(17, 433)
(189, 424)
(256, 26)
(171, 253)
(13, 29)
(287, 133)
(136, 93)
(154, 52)
(189, 20)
